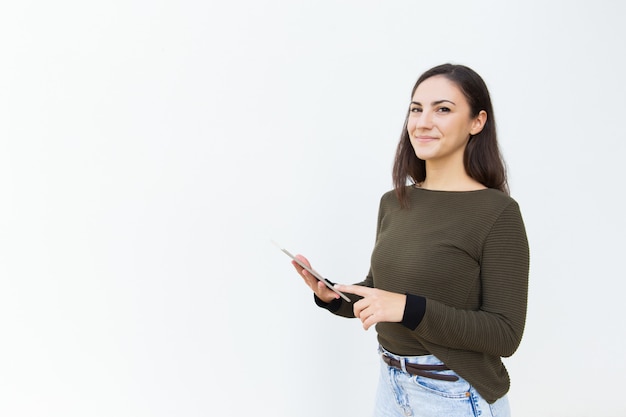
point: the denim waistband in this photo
(421, 359)
(427, 366)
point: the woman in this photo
(448, 280)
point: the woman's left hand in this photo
(376, 306)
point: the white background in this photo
(150, 150)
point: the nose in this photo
(423, 120)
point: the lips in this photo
(425, 138)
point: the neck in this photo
(449, 179)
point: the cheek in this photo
(410, 125)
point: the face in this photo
(440, 122)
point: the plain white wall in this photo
(150, 150)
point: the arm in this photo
(496, 327)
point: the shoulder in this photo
(389, 195)
(492, 203)
(497, 197)
(389, 200)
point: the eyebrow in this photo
(434, 103)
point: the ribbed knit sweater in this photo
(462, 259)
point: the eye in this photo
(443, 110)
(415, 110)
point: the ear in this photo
(478, 123)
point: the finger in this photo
(299, 269)
(309, 276)
(303, 272)
(366, 318)
(303, 260)
(358, 308)
(354, 289)
(309, 279)
(369, 322)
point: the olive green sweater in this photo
(462, 259)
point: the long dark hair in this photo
(482, 158)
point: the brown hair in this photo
(482, 158)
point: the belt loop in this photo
(403, 364)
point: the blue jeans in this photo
(401, 394)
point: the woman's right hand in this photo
(319, 288)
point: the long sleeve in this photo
(496, 327)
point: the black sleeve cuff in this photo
(333, 306)
(414, 311)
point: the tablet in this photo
(312, 271)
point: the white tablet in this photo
(312, 271)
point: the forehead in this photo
(436, 88)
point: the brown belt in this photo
(422, 370)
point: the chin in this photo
(424, 156)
